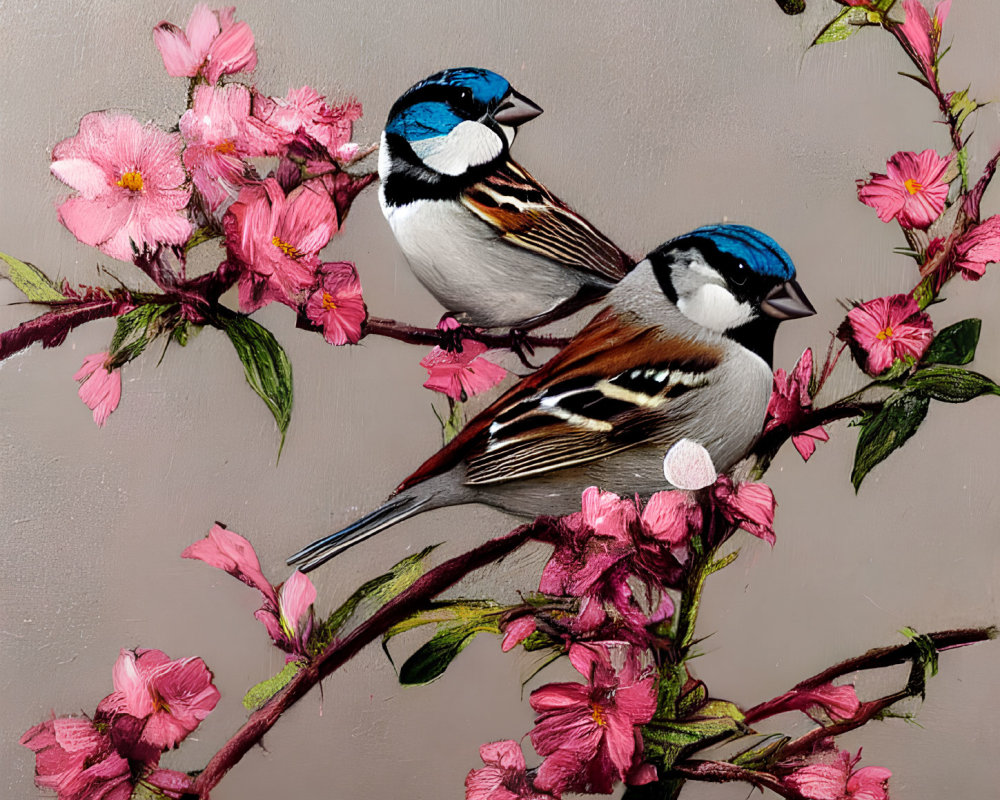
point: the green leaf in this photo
(258, 695)
(461, 611)
(30, 280)
(432, 659)
(956, 344)
(762, 754)
(886, 430)
(265, 364)
(452, 424)
(848, 21)
(951, 384)
(961, 105)
(138, 328)
(380, 590)
(791, 7)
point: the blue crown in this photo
(425, 120)
(755, 249)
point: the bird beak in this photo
(787, 301)
(516, 109)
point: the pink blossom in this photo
(100, 387)
(589, 733)
(749, 506)
(840, 780)
(130, 180)
(171, 697)
(460, 375)
(304, 112)
(980, 246)
(790, 400)
(838, 702)
(213, 45)
(504, 776)
(219, 137)
(77, 761)
(277, 239)
(170, 782)
(516, 631)
(286, 610)
(924, 34)
(671, 517)
(888, 328)
(913, 190)
(337, 305)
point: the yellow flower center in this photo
(289, 250)
(328, 303)
(912, 186)
(597, 714)
(225, 147)
(159, 704)
(131, 181)
(884, 334)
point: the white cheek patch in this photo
(468, 144)
(714, 307)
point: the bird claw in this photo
(521, 347)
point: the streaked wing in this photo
(607, 391)
(526, 214)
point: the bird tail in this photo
(385, 516)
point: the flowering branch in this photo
(341, 650)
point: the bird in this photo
(491, 243)
(682, 349)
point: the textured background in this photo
(659, 117)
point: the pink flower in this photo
(213, 45)
(286, 613)
(516, 631)
(304, 113)
(337, 305)
(460, 375)
(789, 401)
(840, 781)
(979, 247)
(219, 137)
(912, 191)
(838, 702)
(100, 387)
(77, 761)
(129, 177)
(888, 328)
(589, 733)
(671, 517)
(277, 239)
(749, 506)
(504, 776)
(171, 697)
(924, 34)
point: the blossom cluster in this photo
(155, 704)
(142, 191)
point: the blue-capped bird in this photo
(681, 350)
(494, 246)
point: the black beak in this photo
(787, 301)
(515, 109)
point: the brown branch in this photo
(378, 326)
(724, 772)
(52, 327)
(876, 658)
(341, 650)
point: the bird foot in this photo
(521, 347)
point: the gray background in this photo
(660, 116)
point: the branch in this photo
(377, 326)
(877, 658)
(341, 650)
(52, 327)
(724, 772)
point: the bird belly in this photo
(471, 271)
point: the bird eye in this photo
(740, 274)
(465, 95)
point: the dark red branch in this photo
(52, 327)
(341, 650)
(724, 772)
(411, 334)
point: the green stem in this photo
(691, 601)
